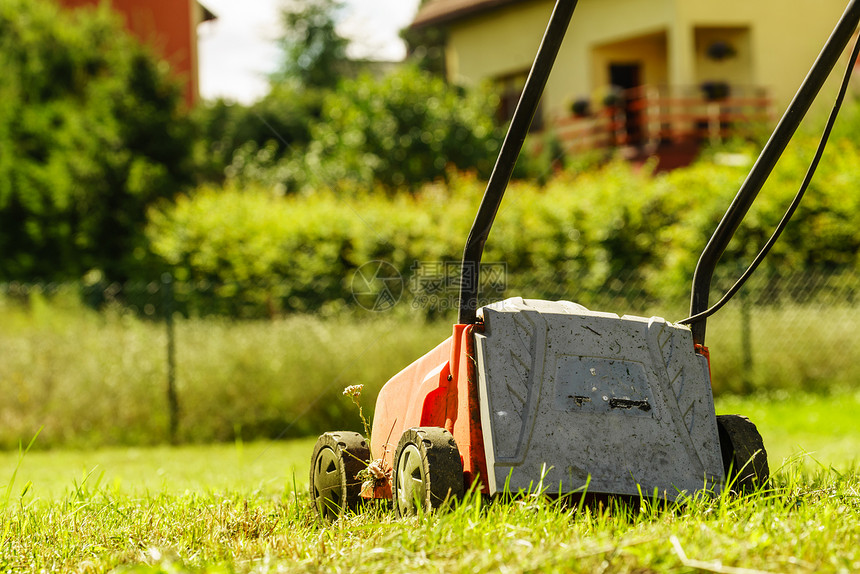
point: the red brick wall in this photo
(166, 25)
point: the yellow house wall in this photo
(501, 43)
(785, 37)
(505, 41)
(782, 41)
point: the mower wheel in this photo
(337, 459)
(744, 456)
(428, 472)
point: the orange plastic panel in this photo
(416, 396)
(463, 406)
(422, 395)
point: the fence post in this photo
(172, 399)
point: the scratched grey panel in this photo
(580, 397)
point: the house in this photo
(169, 26)
(641, 72)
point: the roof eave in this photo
(442, 13)
(207, 14)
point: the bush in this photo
(400, 132)
(91, 132)
(301, 253)
(599, 231)
(260, 250)
(230, 137)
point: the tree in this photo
(425, 47)
(280, 121)
(399, 132)
(92, 132)
(231, 137)
(314, 53)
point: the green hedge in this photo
(592, 233)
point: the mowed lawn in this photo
(263, 468)
(242, 508)
(817, 430)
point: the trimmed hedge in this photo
(594, 232)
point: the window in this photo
(510, 90)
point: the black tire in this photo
(428, 472)
(338, 457)
(744, 455)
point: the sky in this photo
(238, 50)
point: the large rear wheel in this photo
(744, 456)
(337, 458)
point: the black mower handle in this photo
(522, 119)
(759, 173)
(511, 147)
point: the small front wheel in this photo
(428, 471)
(337, 458)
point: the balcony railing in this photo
(648, 116)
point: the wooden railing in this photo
(648, 116)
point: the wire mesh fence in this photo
(169, 360)
(370, 289)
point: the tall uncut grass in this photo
(87, 377)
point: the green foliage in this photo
(314, 54)
(398, 132)
(232, 137)
(330, 124)
(91, 133)
(597, 233)
(405, 130)
(426, 48)
(262, 249)
(822, 235)
(300, 253)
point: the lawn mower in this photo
(539, 395)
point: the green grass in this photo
(822, 430)
(802, 524)
(810, 430)
(267, 468)
(90, 378)
(234, 508)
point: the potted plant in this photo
(581, 108)
(720, 50)
(715, 91)
(614, 98)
